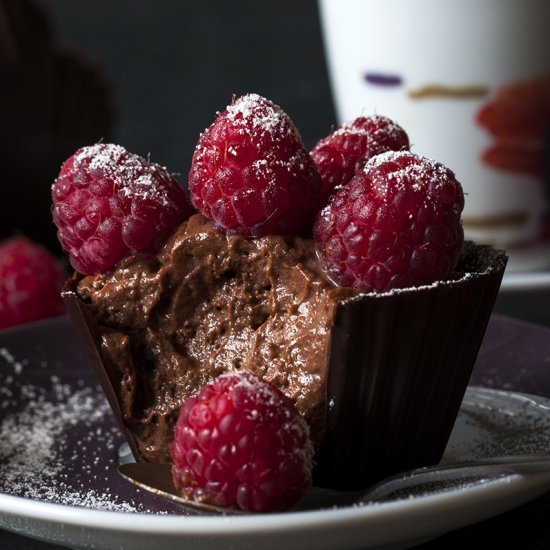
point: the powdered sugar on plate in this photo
(57, 443)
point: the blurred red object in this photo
(30, 283)
(518, 118)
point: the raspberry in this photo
(109, 203)
(251, 173)
(396, 224)
(241, 443)
(30, 283)
(343, 153)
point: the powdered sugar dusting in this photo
(9, 358)
(415, 172)
(256, 110)
(39, 458)
(256, 114)
(134, 175)
(377, 132)
(256, 117)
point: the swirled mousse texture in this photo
(208, 303)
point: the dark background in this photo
(153, 75)
(171, 64)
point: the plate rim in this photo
(80, 516)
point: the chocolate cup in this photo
(399, 366)
(108, 375)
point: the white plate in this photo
(490, 423)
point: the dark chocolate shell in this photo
(399, 364)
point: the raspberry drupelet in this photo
(109, 203)
(241, 443)
(251, 174)
(396, 224)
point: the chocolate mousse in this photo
(207, 304)
(378, 377)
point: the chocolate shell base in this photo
(399, 366)
(378, 377)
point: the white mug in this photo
(469, 80)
